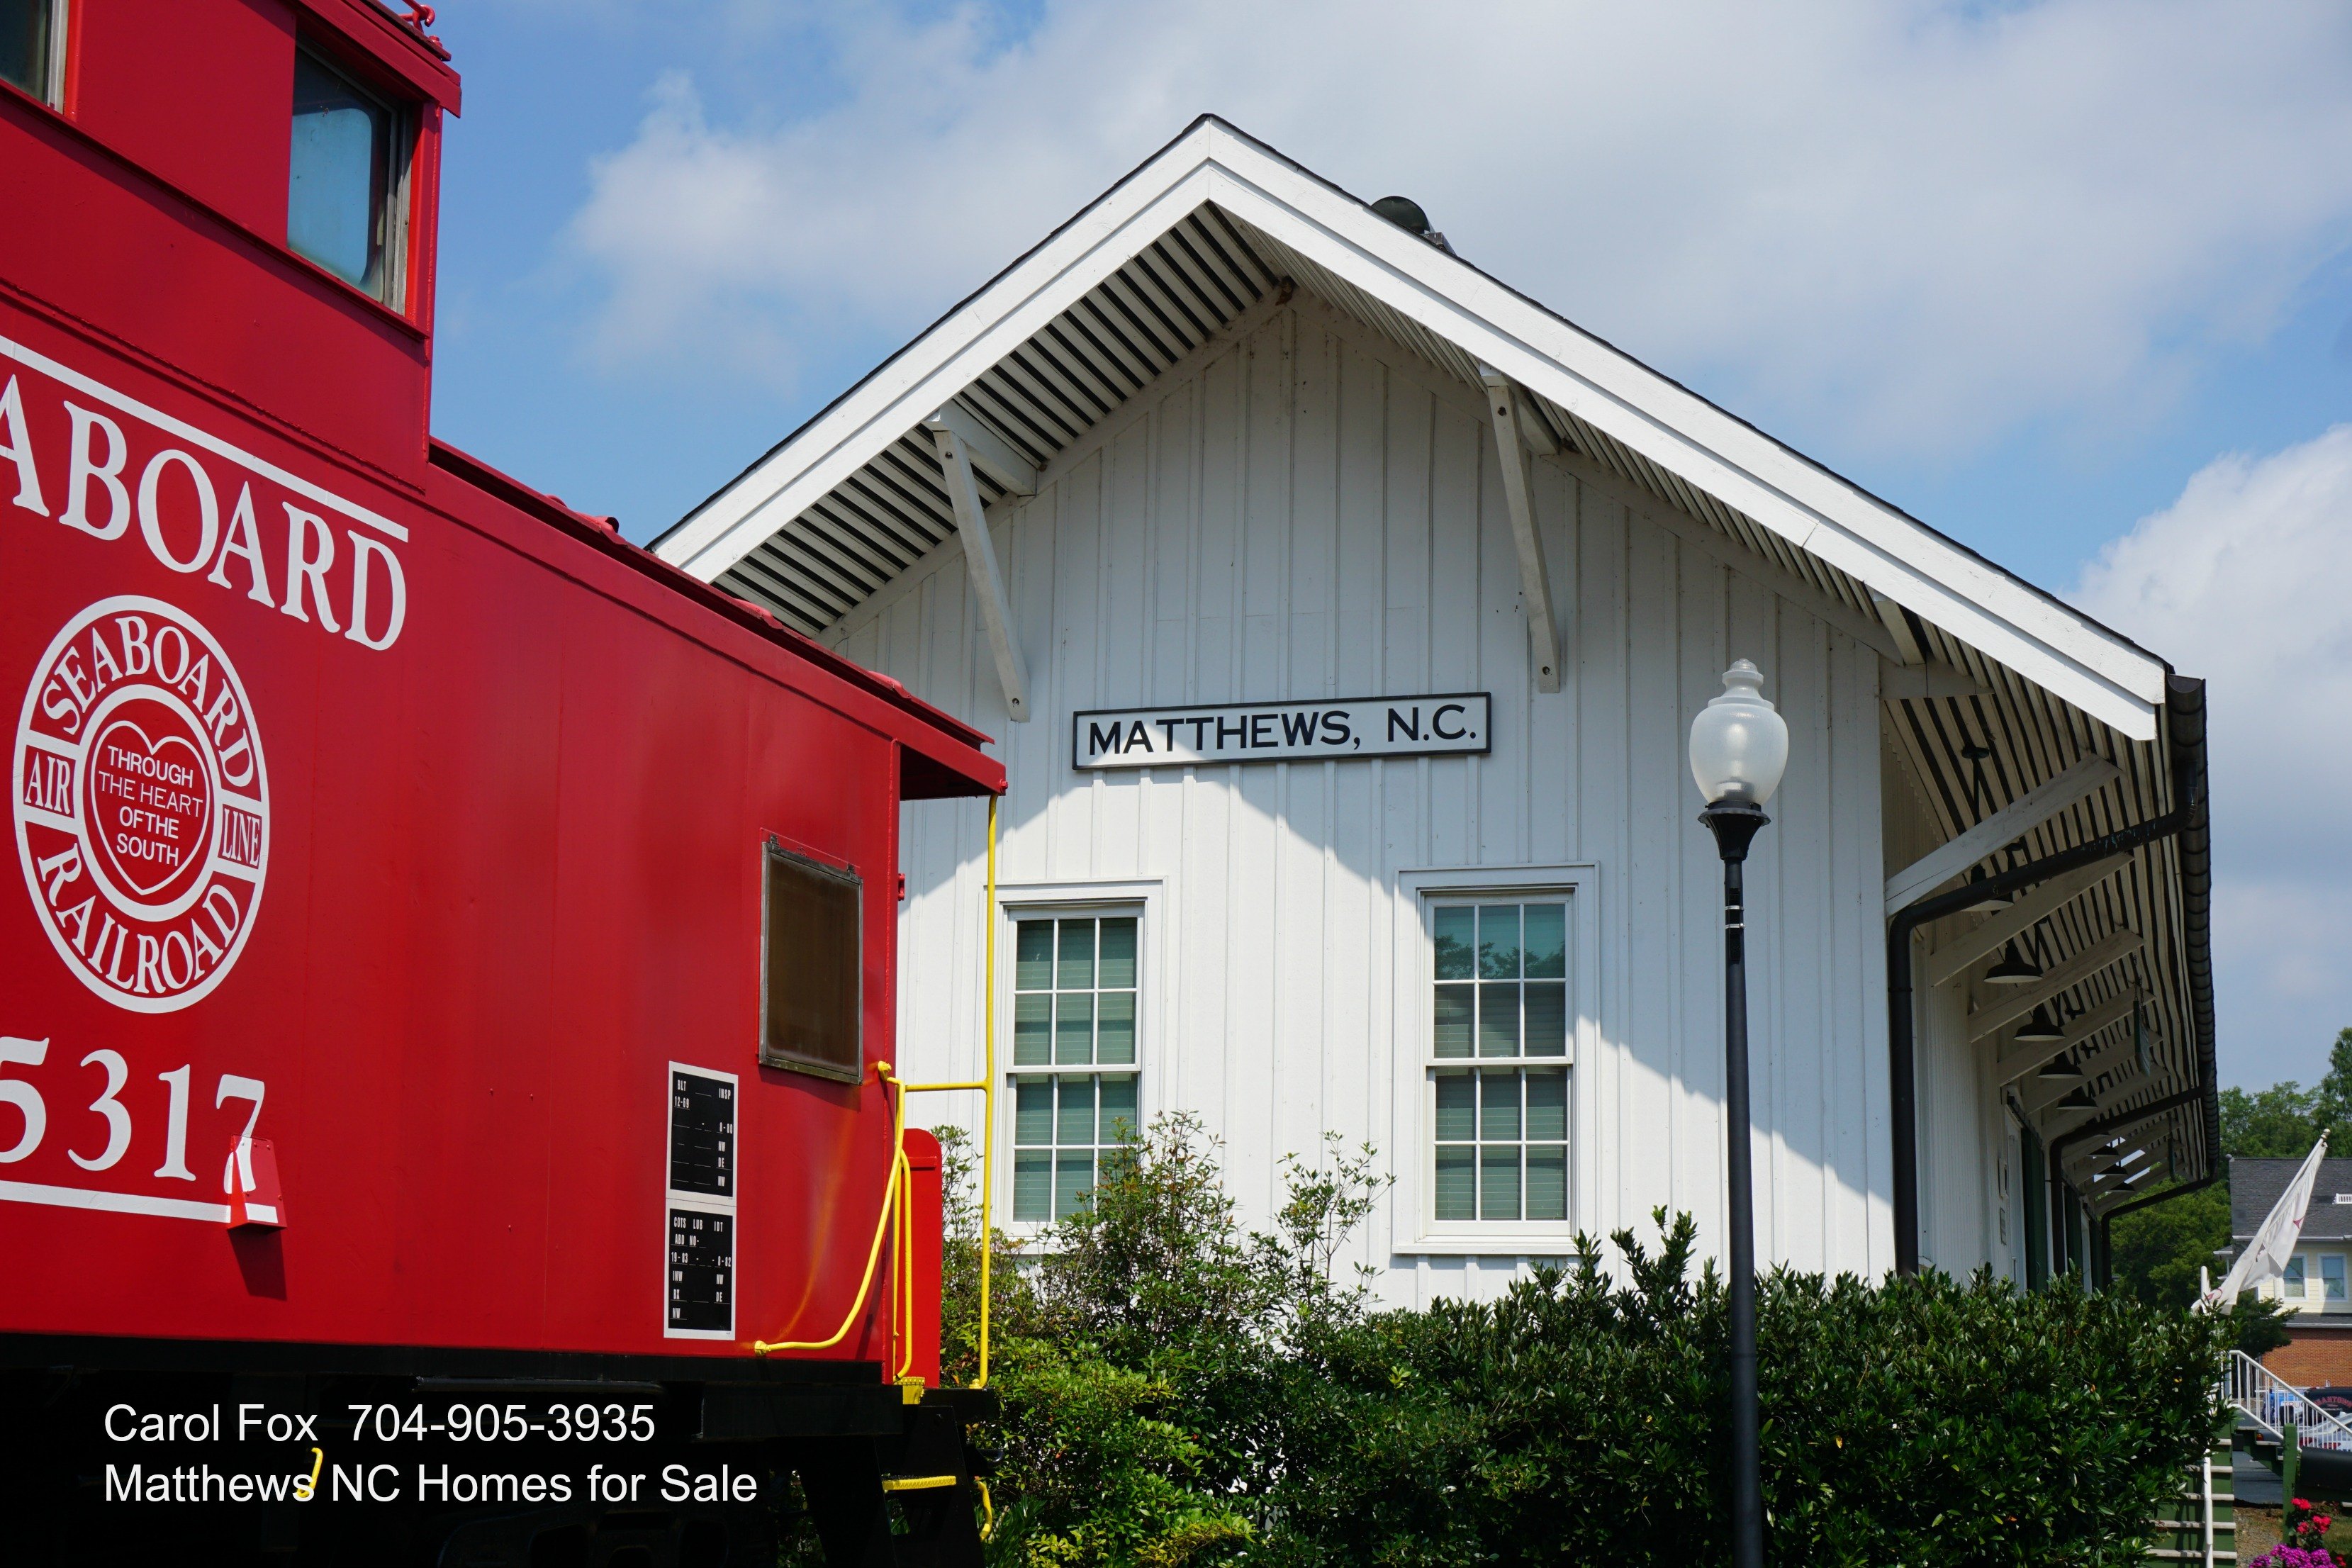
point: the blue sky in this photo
(2071, 282)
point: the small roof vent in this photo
(1406, 214)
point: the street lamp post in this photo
(1738, 748)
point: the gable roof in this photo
(1216, 232)
(1204, 230)
(2255, 1186)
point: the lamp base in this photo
(1734, 824)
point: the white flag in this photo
(2265, 1256)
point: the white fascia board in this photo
(943, 361)
(2009, 623)
(1684, 433)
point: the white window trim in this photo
(1413, 1117)
(1017, 901)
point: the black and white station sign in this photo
(1337, 729)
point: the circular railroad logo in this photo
(142, 804)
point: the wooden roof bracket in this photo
(1518, 429)
(961, 439)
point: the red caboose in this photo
(452, 962)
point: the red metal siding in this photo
(201, 95)
(513, 838)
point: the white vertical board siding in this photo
(1310, 511)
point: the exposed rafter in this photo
(2018, 1060)
(1955, 855)
(1954, 958)
(2009, 1008)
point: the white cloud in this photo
(2244, 581)
(1922, 223)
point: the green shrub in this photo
(1177, 1391)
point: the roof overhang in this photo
(1676, 442)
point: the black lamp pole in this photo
(1734, 824)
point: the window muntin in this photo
(345, 207)
(1498, 1073)
(32, 36)
(1074, 1012)
(811, 967)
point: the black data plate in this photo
(701, 1270)
(701, 1135)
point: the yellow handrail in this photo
(898, 1195)
(987, 1087)
(988, 1110)
(890, 1191)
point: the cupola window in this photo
(32, 40)
(346, 194)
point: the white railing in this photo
(2271, 1402)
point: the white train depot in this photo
(1231, 448)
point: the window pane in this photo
(1076, 1124)
(1033, 1186)
(1499, 1019)
(1118, 1121)
(1546, 1182)
(1547, 1004)
(809, 1014)
(1032, 1025)
(1117, 952)
(1499, 942)
(1115, 1041)
(1455, 1197)
(1456, 942)
(1074, 1027)
(1457, 1108)
(2331, 1275)
(1073, 1177)
(341, 155)
(1450, 1035)
(2292, 1283)
(1547, 939)
(1499, 1182)
(24, 46)
(1077, 953)
(1033, 1110)
(1498, 1107)
(1546, 1106)
(1033, 960)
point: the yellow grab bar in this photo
(891, 1190)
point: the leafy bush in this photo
(1180, 1392)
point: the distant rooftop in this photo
(2255, 1186)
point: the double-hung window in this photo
(32, 47)
(1497, 1067)
(2331, 1276)
(1073, 1054)
(2291, 1282)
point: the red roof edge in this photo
(605, 534)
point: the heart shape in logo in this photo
(150, 799)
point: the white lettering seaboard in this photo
(1331, 729)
